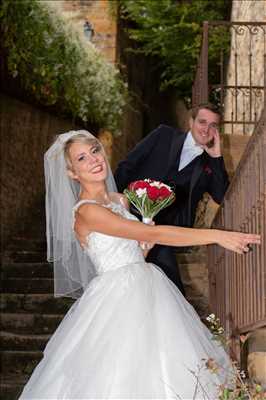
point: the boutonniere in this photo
(207, 169)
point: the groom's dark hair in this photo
(205, 106)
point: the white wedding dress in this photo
(132, 335)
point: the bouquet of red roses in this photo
(149, 197)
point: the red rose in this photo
(153, 193)
(164, 192)
(137, 185)
(140, 185)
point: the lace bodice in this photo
(110, 252)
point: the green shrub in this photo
(59, 68)
(171, 31)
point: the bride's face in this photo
(88, 162)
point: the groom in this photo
(190, 162)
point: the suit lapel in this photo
(197, 171)
(175, 151)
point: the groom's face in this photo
(204, 125)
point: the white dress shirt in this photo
(189, 151)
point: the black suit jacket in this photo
(156, 155)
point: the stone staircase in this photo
(29, 312)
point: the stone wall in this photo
(246, 65)
(26, 133)
(97, 13)
(105, 39)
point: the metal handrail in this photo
(238, 283)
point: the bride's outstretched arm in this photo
(95, 218)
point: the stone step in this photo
(24, 243)
(192, 271)
(10, 390)
(34, 303)
(195, 279)
(201, 306)
(192, 257)
(197, 288)
(11, 385)
(24, 256)
(35, 285)
(27, 270)
(15, 378)
(30, 323)
(19, 363)
(13, 341)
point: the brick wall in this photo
(26, 133)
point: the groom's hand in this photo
(213, 148)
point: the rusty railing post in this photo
(204, 82)
(200, 90)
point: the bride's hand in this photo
(237, 241)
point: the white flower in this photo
(141, 192)
(242, 374)
(210, 317)
(167, 187)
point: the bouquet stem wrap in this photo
(145, 245)
(146, 220)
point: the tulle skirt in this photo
(132, 335)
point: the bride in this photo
(130, 334)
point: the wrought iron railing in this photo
(238, 282)
(239, 84)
